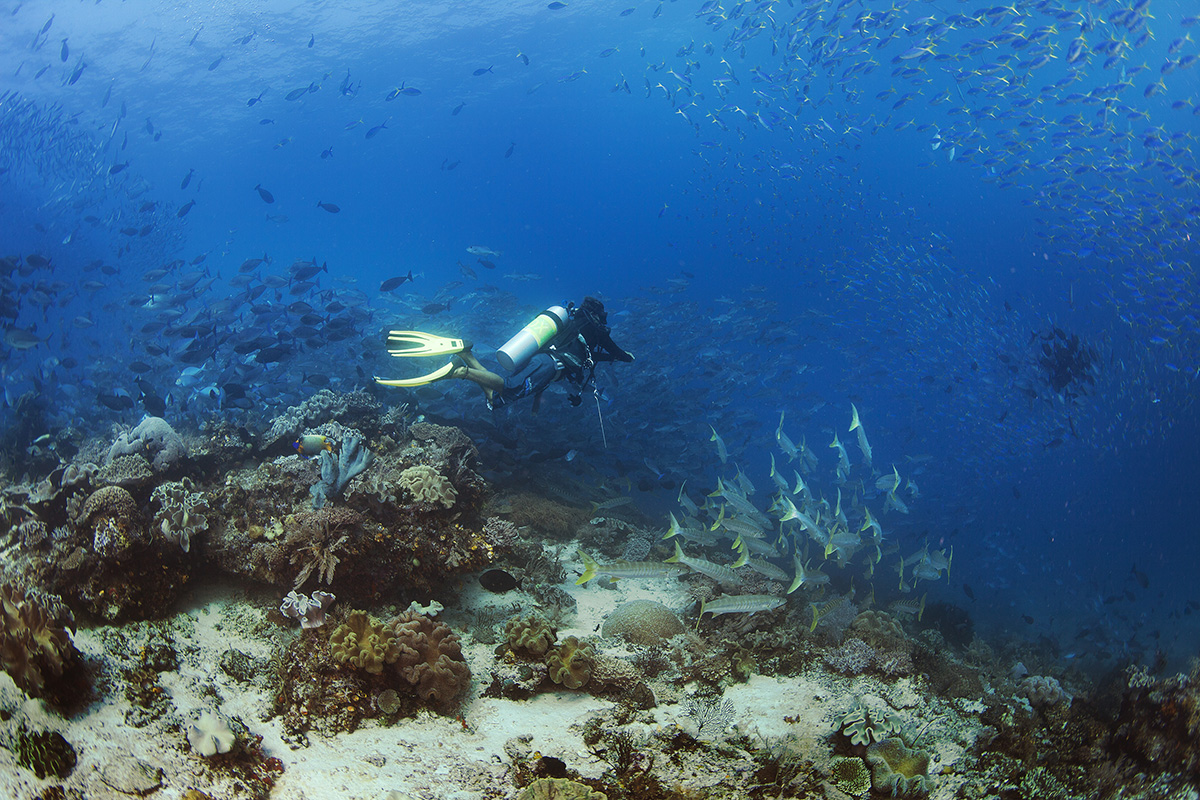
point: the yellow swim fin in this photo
(420, 380)
(407, 344)
(418, 343)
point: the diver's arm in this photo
(608, 350)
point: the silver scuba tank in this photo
(517, 351)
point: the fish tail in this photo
(589, 568)
(678, 557)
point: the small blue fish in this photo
(481, 71)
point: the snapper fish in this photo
(478, 250)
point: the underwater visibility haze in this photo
(910, 289)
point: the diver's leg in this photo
(486, 379)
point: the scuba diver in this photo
(560, 343)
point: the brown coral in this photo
(33, 646)
(429, 657)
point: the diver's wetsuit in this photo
(568, 356)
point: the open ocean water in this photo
(974, 228)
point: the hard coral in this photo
(429, 657)
(427, 485)
(571, 663)
(34, 647)
(363, 642)
(854, 657)
(108, 501)
(129, 470)
(850, 775)
(156, 439)
(643, 622)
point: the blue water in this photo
(793, 246)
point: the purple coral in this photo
(309, 610)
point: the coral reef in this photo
(427, 485)
(35, 648)
(353, 408)
(1158, 722)
(130, 470)
(154, 439)
(547, 518)
(642, 622)
(332, 681)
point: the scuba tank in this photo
(517, 351)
